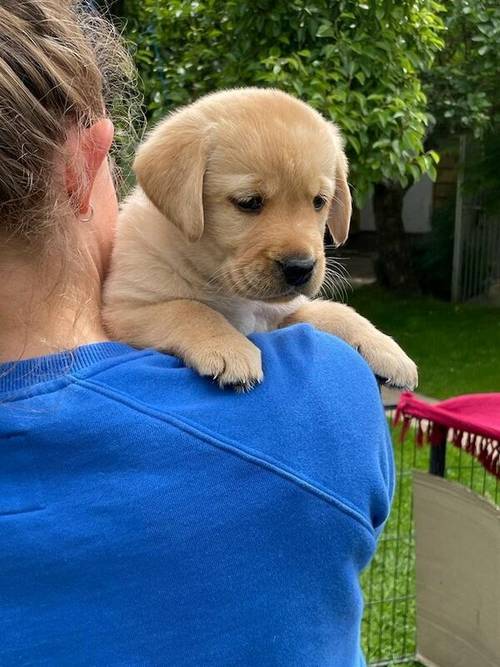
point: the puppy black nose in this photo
(297, 270)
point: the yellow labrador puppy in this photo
(223, 236)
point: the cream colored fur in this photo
(192, 274)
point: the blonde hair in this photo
(62, 67)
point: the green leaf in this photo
(325, 30)
(435, 156)
(353, 141)
(415, 172)
(432, 172)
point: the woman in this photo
(147, 517)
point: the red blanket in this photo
(474, 420)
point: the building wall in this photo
(417, 209)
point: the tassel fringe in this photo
(485, 450)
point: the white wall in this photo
(417, 209)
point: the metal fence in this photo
(481, 254)
(476, 253)
(389, 628)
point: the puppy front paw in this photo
(388, 360)
(233, 361)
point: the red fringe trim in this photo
(485, 450)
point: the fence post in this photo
(457, 270)
(437, 459)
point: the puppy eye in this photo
(249, 204)
(318, 202)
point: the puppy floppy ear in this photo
(339, 215)
(170, 167)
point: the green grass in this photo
(456, 347)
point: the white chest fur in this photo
(254, 316)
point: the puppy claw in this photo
(243, 388)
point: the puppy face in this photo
(251, 177)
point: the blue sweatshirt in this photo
(149, 518)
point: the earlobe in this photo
(170, 167)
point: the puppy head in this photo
(251, 177)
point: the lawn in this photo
(457, 347)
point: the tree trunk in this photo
(394, 267)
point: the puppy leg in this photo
(385, 357)
(199, 335)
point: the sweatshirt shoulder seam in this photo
(46, 387)
(232, 447)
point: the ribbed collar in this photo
(16, 375)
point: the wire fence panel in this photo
(389, 631)
(480, 253)
(476, 251)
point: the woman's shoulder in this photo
(315, 420)
(317, 416)
(317, 391)
(305, 370)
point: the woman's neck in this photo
(41, 314)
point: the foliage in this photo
(463, 88)
(358, 62)
(481, 174)
(463, 85)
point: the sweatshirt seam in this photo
(46, 387)
(232, 447)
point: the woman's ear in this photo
(88, 150)
(170, 168)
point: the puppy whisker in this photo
(219, 279)
(337, 267)
(336, 283)
(332, 246)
